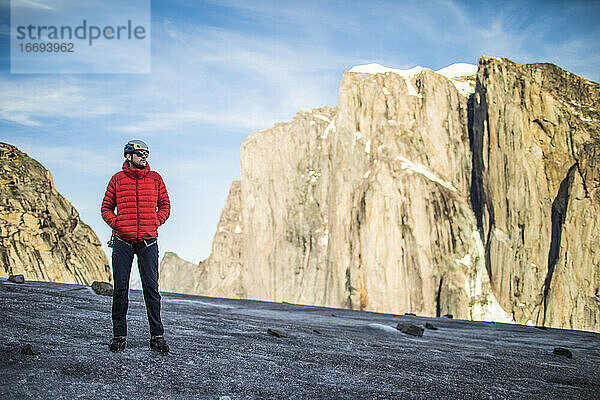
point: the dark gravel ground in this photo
(220, 349)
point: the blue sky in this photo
(224, 69)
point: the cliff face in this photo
(536, 132)
(41, 235)
(363, 206)
(475, 196)
(367, 206)
(285, 186)
(401, 222)
(220, 274)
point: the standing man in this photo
(142, 203)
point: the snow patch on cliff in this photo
(406, 164)
(380, 69)
(457, 74)
(458, 70)
(330, 128)
(483, 305)
(324, 240)
(407, 74)
(322, 117)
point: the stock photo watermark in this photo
(80, 36)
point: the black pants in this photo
(122, 258)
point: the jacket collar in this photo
(133, 173)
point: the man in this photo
(142, 203)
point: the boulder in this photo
(561, 351)
(410, 329)
(431, 326)
(103, 288)
(277, 333)
(17, 278)
(27, 350)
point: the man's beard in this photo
(138, 165)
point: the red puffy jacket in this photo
(142, 203)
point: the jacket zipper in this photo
(137, 207)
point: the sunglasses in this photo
(141, 153)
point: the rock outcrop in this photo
(179, 276)
(41, 234)
(427, 193)
(220, 274)
(536, 143)
(365, 205)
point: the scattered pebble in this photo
(27, 350)
(410, 329)
(430, 326)
(103, 288)
(276, 333)
(561, 351)
(17, 278)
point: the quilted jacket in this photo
(142, 204)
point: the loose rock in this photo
(409, 313)
(561, 351)
(17, 278)
(449, 316)
(276, 333)
(316, 331)
(103, 288)
(27, 350)
(430, 326)
(410, 329)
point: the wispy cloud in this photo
(73, 157)
(29, 101)
(206, 76)
(18, 118)
(165, 121)
(233, 79)
(215, 81)
(30, 4)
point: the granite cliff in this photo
(41, 234)
(536, 142)
(470, 192)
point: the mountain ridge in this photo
(383, 202)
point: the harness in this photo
(146, 243)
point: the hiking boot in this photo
(117, 343)
(158, 343)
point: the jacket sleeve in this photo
(164, 204)
(109, 203)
